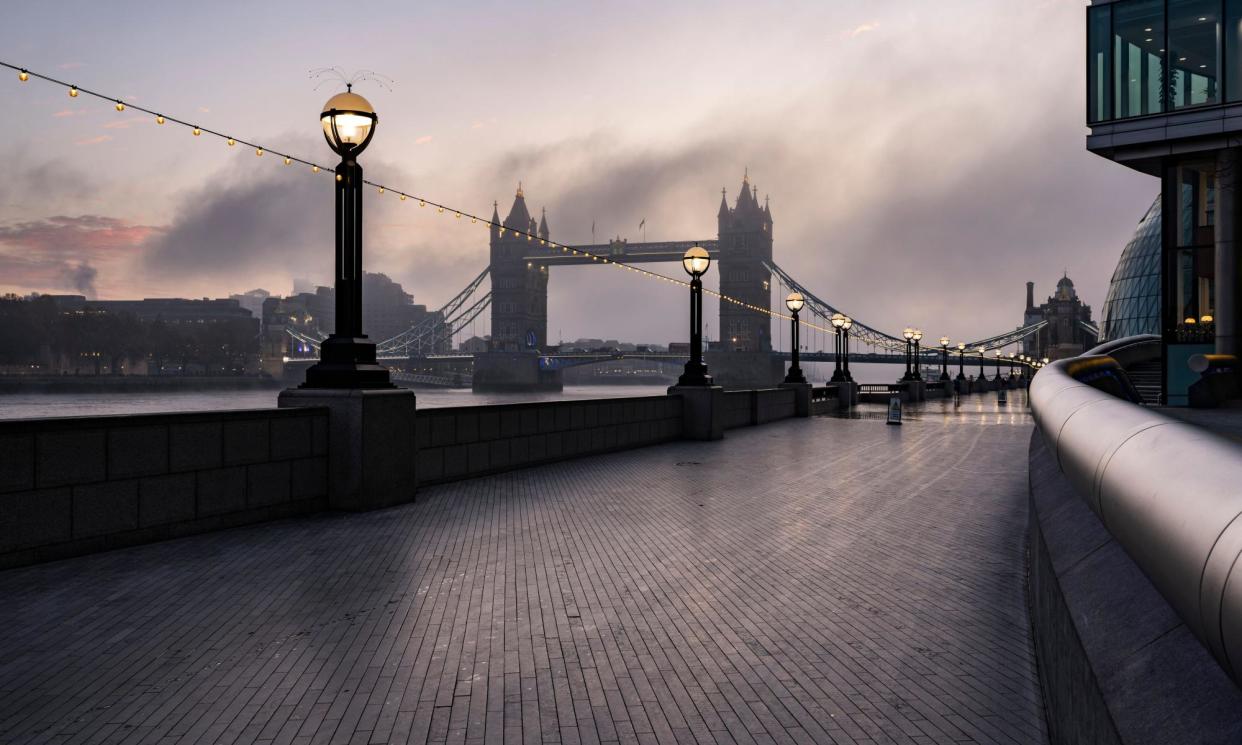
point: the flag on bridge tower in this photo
(641, 224)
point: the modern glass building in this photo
(1164, 96)
(1133, 302)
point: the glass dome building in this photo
(1133, 302)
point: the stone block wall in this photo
(77, 485)
(463, 442)
(751, 407)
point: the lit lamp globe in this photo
(795, 302)
(961, 346)
(944, 342)
(918, 335)
(348, 123)
(847, 323)
(908, 333)
(696, 261)
(838, 320)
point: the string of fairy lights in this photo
(74, 91)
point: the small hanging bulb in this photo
(23, 76)
(339, 177)
(288, 160)
(421, 203)
(457, 215)
(473, 220)
(258, 151)
(197, 131)
(232, 142)
(402, 197)
(314, 169)
(159, 118)
(120, 106)
(73, 91)
(381, 190)
(440, 210)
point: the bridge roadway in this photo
(825, 580)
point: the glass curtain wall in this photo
(1189, 271)
(1154, 56)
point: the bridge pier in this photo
(746, 369)
(513, 371)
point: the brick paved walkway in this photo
(819, 580)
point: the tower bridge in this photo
(521, 357)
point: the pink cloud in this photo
(68, 112)
(861, 29)
(94, 140)
(126, 123)
(72, 237)
(422, 140)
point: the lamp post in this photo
(944, 358)
(983, 354)
(838, 373)
(999, 356)
(961, 360)
(347, 357)
(1011, 356)
(918, 336)
(846, 325)
(696, 262)
(795, 302)
(908, 333)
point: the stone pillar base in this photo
(802, 397)
(371, 444)
(847, 394)
(702, 411)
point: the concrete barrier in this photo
(77, 485)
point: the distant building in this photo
(475, 345)
(252, 301)
(1066, 333)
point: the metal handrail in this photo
(1167, 492)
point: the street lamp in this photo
(794, 302)
(918, 336)
(696, 262)
(983, 353)
(1011, 356)
(908, 333)
(347, 357)
(999, 356)
(838, 322)
(944, 358)
(845, 347)
(961, 360)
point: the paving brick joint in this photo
(810, 581)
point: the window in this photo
(1192, 300)
(1138, 58)
(1232, 32)
(1099, 62)
(1194, 59)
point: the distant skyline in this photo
(923, 162)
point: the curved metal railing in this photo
(1167, 492)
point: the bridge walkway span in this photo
(822, 580)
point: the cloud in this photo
(861, 29)
(126, 123)
(68, 112)
(98, 140)
(65, 252)
(422, 140)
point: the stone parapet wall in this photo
(78, 485)
(467, 441)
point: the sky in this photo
(923, 160)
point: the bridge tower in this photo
(519, 287)
(745, 242)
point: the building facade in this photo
(1132, 306)
(1068, 321)
(1164, 97)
